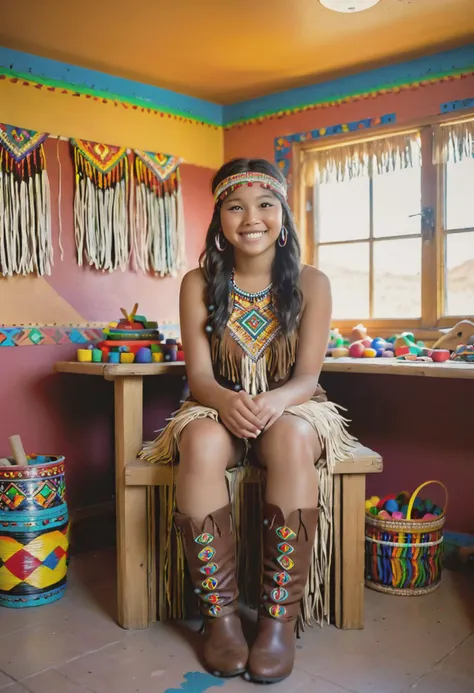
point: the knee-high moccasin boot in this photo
(287, 550)
(210, 549)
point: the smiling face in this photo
(251, 219)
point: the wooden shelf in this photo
(110, 371)
(448, 369)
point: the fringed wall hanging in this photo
(25, 203)
(101, 203)
(157, 214)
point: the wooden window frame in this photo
(433, 186)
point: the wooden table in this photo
(137, 507)
(128, 407)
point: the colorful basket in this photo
(404, 557)
(34, 526)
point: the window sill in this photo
(448, 369)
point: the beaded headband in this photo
(228, 185)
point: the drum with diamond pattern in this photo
(34, 527)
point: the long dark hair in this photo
(217, 266)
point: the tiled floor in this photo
(424, 645)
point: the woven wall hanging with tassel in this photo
(25, 203)
(157, 215)
(101, 205)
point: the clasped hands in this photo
(246, 416)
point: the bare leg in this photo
(205, 523)
(288, 450)
(206, 449)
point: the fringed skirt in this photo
(337, 445)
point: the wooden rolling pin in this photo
(18, 451)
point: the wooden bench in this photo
(348, 526)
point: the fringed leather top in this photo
(253, 352)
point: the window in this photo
(392, 229)
(458, 238)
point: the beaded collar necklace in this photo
(246, 294)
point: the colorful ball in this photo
(391, 506)
(379, 343)
(429, 505)
(143, 355)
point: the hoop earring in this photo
(283, 237)
(217, 241)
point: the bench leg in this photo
(132, 509)
(353, 557)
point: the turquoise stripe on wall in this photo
(460, 59)
(35, 66)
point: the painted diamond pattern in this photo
(206, 554)
(215, 609)
(12, 497)
(204, 539)
(286, 533)
(285, 562)
(35, 336)
(208, 569)
(212, 598)
(210, 584)
(51, 561)
(22, 564)
(278, 595)
(277, 611)
(45, 495)
(285, 548)
(281, 578)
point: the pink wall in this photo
(422, 428)
(73, 415)
(257, 140)
(98, 296)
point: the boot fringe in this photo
(337, 445)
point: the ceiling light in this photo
(348, 5)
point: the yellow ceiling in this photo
(230, 50)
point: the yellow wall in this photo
(64, 114)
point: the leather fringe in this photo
(337, 444)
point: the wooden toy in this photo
(84, 355)
(339, 352)
(461, 333)
(359, 332)
(440, 355)
(369, 353)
